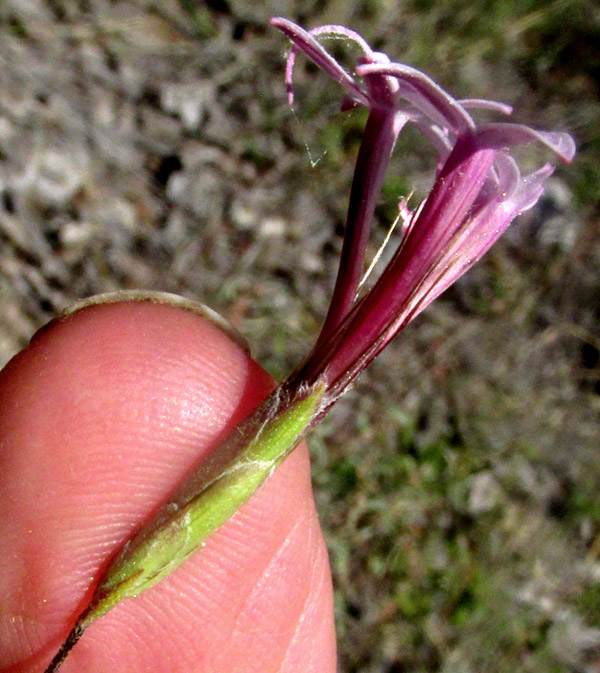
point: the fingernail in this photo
(155, 298)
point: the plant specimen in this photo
(477, 192)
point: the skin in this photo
(100, 417)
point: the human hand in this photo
(100, 417)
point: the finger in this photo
(100, 417)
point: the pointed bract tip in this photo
(66, 647)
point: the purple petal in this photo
(483, 104)
(501, 182)
(504, 136)
(304, 41)
(516, 194)
(530, 189)
(424, 93)
(508, 174)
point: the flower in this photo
(478, 191)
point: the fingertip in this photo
(100, 417)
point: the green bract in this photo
(213, 495)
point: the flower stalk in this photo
(478, 191)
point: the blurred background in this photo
(149, 145)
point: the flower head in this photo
(478, 191)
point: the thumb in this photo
(100, 417)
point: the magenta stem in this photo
(380, 134)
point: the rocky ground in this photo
(149, 145)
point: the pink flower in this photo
(478, 191)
